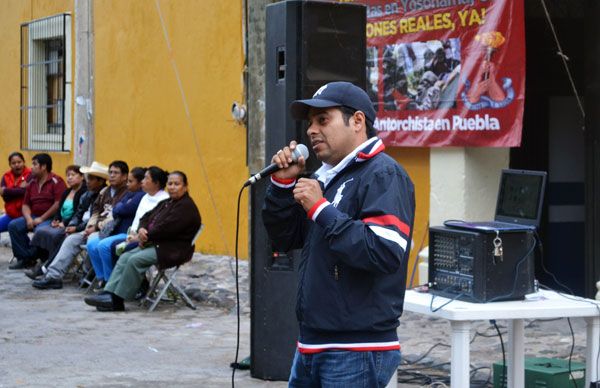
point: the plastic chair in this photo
(169, 284)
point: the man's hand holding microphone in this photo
(291, 163)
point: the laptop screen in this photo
(520, 197)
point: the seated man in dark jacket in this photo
(96, 181)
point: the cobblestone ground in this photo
(51, 338)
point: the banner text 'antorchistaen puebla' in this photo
(447, 72)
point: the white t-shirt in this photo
(147, 203)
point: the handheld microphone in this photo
(299, 151)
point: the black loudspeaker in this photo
(308, 44)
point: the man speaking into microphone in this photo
(353, 220)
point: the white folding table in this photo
(543, 304)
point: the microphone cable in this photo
(235, 363)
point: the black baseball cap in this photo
(335, 94)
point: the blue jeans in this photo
(4, 220)
(341, 368)
(17, 229)
(100, 255)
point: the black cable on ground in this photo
(426, 353)
(578, 299)
(571, 352)
(483, 383)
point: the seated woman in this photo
(153, 184)
(49, 238)
(165, 239)
(12, 188)
(98, 246)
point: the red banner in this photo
(447, 72)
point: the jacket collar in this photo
(362, 153)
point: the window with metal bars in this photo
(46, 84)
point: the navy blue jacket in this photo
(125, 209)
(355, 246)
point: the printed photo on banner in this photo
(446, 72)
(421, 75)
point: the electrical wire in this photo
(414, 269)
(444, 304)
(485, 382)
(237, 289)
(191, 125)
(564, 60)
(578, 299)
(427, 353)
(541, 250)
(503, 374)
(571, 352)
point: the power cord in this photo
(427, 353)
(414, 269)
(503, 374)
(433, 310)
(578, 299)
(541, 250)
(438, 376)
(571, 352)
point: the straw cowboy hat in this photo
(96, 169)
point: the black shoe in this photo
(102, 300)
(116, 303)
(19, 264)
(35, 272)
(48, 283)
(111, 308)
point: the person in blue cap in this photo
(353, 221)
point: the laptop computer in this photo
(518, 206)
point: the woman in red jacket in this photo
(12, 188)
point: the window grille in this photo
(46, 84)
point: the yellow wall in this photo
(12, 14)
(416, 163)
(140, 114)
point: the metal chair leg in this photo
(169, 285)
(160, 294)
(184, 296)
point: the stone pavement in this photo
(51, 338)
